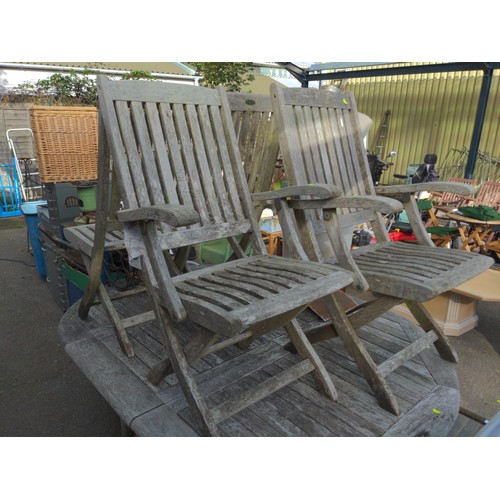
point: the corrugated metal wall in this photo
(432, 113)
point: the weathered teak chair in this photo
(488, 194)
(320, 144)
(259, 149)
(175, 154)
(442, 234)
(446, 201)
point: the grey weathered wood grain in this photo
(355, 413)
(437, 411)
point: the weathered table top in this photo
(426, 387)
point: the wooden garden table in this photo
(474, 232)
(272, 234)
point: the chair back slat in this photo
(234, 179)
(151, 177)
(212, 177)
(172, 144)
(174, 168)
(134, 189)
(165, 177)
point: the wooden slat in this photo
(308, 147)
(160, 92)
(299, 295)
(212, 165)
(257, 280)
(199, 144)
(357, 156)
(174, 151)
(133, 159)
(231, 290)
(149, 171)
(207, 295)
(323, 143)
(195, 184)
(168, 183)
(227, 280)
(233, 188)
(255, 394)
(194, 235)
(407, 353)
(220, 376)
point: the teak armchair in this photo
(446, 201)
(320, 143)
(176, 157)
(488, 194)
(259, 148)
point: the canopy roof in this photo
(342, 71)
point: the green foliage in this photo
(231, 75)
(64, 89)
(68, 87)
(138, 75)
(58, 88)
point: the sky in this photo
(16, 77)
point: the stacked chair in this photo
(444, 202)
(176, 158)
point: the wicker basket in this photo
(65, 142)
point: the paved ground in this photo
(42, 393)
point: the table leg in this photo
(464, 236)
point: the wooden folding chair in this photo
(259, 149)
(446, 201)
(320, 144)
(442, 233)
(488, 194)
(176, 157)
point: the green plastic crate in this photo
(217, 251)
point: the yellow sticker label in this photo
(436, 411)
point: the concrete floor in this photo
(42, 393)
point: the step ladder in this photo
(380, 138)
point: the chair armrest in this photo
(445, 187)
(319, 191)
(376, 203)
(173, 215)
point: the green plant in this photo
(231, 75)
(71, 86)
(59, 88)
(138, 75)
